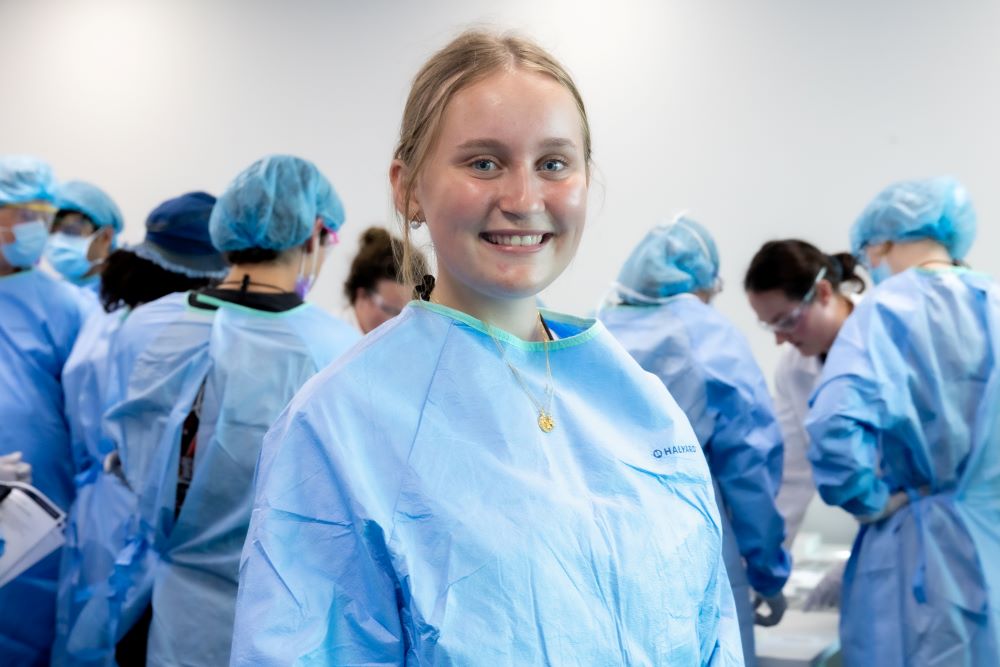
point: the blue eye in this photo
(553, 165)
(484, 165)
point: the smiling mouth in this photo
(516, 240)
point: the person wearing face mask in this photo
(198, 399)
(374, 286)
(40, 319)
(802, 296)
(660, 314)
(479, 482)
(176, 256)
(83, 234)
(905, 435)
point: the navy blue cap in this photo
(177, 237)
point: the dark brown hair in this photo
(129, 280)
(791, 266)
(379, 258)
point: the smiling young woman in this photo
(478, 482)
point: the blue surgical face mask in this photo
(68, 255)
(28, 245)
(881, 272)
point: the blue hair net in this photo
(91, 201)
(934, 208)
(274, 204)
(672, 259)
(24, 178)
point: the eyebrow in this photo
(496, 144)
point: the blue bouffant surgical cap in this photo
(672, 259)
(274, 204)
(934, 208)
(24, 179)
(91, 201)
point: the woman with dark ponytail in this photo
(375, 286)
(802, 295)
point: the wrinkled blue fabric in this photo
(410, 511)
(251, 364)
(105, 578)
(908, 402)
(671, 259)
(91, 201)
(24, 178)
(274, 204)
(40, 321)
(934, 208)
(95, 514)
(709, 369)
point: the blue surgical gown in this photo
(248, 364)
(409, 510)
(40, 318)
(909, 401)
(707, 365)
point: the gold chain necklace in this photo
(545, 420)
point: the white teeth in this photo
(529, 239)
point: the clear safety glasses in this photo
(792, 319)
(380, 303)
(33, 212)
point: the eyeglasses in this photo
(33, 212)
(380, 303)
(792, 319)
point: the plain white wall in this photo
(764, 119)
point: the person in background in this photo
(663, 318)
(802, 296)
(374, 285)
(905, 435)
(199, 398)
(41, 318)
(478, 482)
(176, 256)
(84, 233)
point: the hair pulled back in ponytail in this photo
(791, 266)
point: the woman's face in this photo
(373, 307)
(504, 188)
(810, 326)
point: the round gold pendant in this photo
(545, 422)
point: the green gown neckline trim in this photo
(590, 327)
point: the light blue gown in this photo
(409, 510)
(250, 363)
(40, 318)
(909, 400)
(97, 519)
(707, 365)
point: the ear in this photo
(824, 292)
(399, 174)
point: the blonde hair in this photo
(469, 58)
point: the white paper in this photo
(31, 527)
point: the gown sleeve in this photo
(316, 585)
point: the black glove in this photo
(777, 604)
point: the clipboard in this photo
(31, 527)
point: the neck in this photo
(907, 255)
(842, 308)
(279, 275)
(516, 316)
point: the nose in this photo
(780, 337)
(521, 193)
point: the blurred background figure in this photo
(663, 319)
(375, 287)
(176, 256)
(198, 400)
(905, 435)
(84, 233)
(40, 318)
(802, 296)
